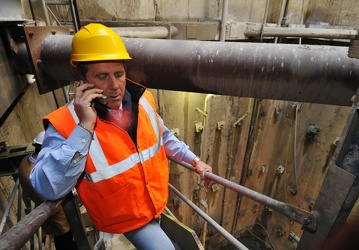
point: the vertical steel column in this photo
(73, 215)
(46, 12)
(222, 36)
(74, 14)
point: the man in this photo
(114, 153)
(56, 224)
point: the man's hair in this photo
(82, 68)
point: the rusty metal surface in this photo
(35, 36)
(16, 237)
(304, 73)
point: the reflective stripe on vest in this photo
(103, 170)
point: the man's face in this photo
(110, 76)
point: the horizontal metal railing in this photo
(307, 219)
(17, 236)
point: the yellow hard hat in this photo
(96, 42)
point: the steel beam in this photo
(302, 73)
(73, 215)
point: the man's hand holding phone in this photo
(85, 95)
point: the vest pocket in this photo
(117, 208)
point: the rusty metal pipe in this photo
(302, 73)
(307, 219)
(17, 236)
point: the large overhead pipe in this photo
(303, 73)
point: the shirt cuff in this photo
(189, 156)
(80, 139)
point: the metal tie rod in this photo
(307, 219)
(7, 210)
(212, 222)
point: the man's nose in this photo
(113, 82)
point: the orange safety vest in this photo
(124, 188)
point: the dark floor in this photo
(250, 242)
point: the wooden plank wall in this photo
(271, 134)
(284, 140)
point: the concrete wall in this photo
(332, 12)
(340, 12)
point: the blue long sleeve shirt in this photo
(56, 172)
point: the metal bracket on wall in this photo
(199, 126)
(175, 131)
(220, 125)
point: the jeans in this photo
(150, 237)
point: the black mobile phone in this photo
(101, 100)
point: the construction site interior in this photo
(264, 91)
